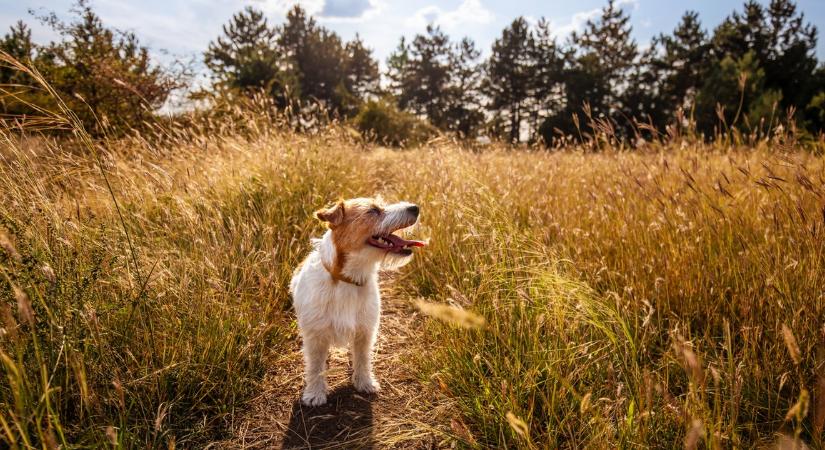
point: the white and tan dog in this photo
(335, 290)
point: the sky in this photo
(184, 28)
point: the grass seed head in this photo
(24, 306)
(791, 344)
(451, 314)
(518, 425)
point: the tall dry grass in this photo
(668, 296)
(662, 297)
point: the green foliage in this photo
(600, 64)
(773, 47)
(21, 101)
(464, 114)
(102, 74)
(815, 112)
(362, 70)
(529, 88)
(246, 59)
(435, 78)
(734, 95)
(298, 63)
(425, 75)
(382, 122)
(509, 71)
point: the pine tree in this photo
(781, 42)
(775, 41)
(464, 110)
(428, 76)
(600, 65)
(509, 73)
(546, 84)
(791, 60)
(362, 70)
(683, 61)
(328, 72)
(438, 80)
(298, 63)
(735, 90)
(398, 66)
(245, 58)
(607, 55)
(18, 44)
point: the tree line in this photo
(754, 71)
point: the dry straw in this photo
(451, 314)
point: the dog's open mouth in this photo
(394, 244)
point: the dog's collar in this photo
(337, 276)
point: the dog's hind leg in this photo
(315, 371)
(362, 377)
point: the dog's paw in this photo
(314, 398)
(366, 385)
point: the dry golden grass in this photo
(670, 296)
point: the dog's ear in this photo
(333, 215)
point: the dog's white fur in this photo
(336, 313)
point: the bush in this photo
(382, 122)
(102, 74)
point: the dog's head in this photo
(368, 226)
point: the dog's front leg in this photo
(315, 371)
(362, 377)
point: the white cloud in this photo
(470, 11)
(575, 24)
(318, 8)
(280, 7)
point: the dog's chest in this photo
(335, 308)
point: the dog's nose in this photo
(413, 210)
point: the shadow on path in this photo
(346, 420)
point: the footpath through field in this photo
(403, 415)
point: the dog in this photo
(335, 289)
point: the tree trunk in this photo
(515, 121)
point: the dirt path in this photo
(402, 415)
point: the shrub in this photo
(102, 74)
(382, 122)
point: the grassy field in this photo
(669, 296)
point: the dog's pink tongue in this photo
(401, 242)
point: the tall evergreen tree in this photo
(464, 110)
(298, 60)
(398, 65)
(681, 61)
(363, 76)
(510, 70)
(18, 44)
(425, 75)
(791, 59)
(246, 58)
(607, 51)
(774, 41)
(602, 60)
(547, 80)
(434, 78)
(317, 57)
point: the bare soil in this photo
(406, 414)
